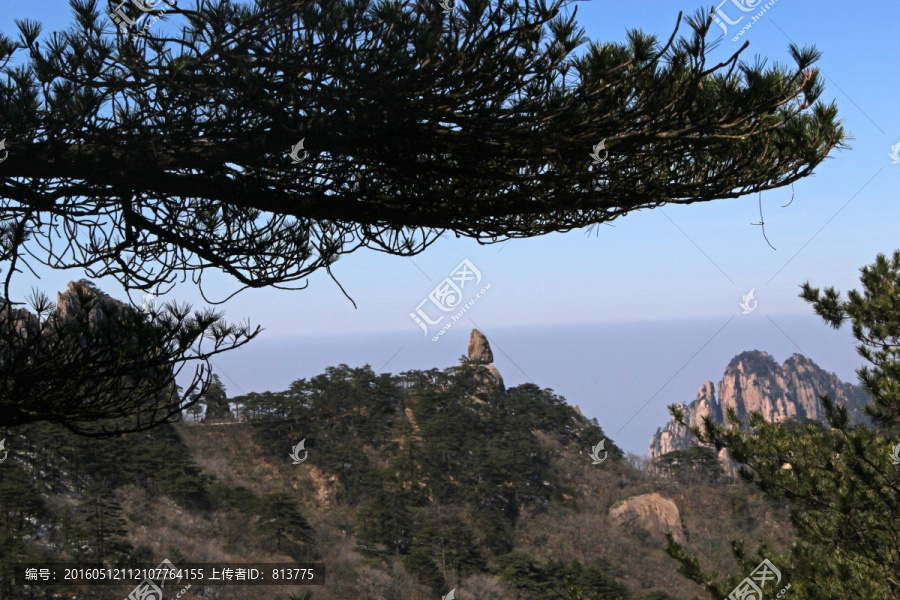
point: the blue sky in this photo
(684, 269)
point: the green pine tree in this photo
(452, 546)
(384, 525)
(21, 509)
(215, 399)
(693, 464)
(99, 526)
(280, 520)
(421, 566)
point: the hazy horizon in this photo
(622, 374)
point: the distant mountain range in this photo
(755, 382)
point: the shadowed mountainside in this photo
(414, 484)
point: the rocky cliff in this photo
(481, 356)
(89, 358)
(754, 382)
(85, 317)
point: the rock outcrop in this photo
(85, 319)
(97, 351)
(82, 299)
(675, 436)
(650, 512)
(480, 356)
(479, 348)
(754, 382)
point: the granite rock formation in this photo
(98, 352)
(82, 298)
(85, 319)
(754, 382)
(480, 356)
(650, 512)
(479, 348)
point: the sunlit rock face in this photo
(754, 382)
(480, 355)
(650, 512)
(479, 348)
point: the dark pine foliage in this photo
(839, 481)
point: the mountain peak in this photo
(755, 360)
(754, 382)
(480, 355)
(479, 350)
